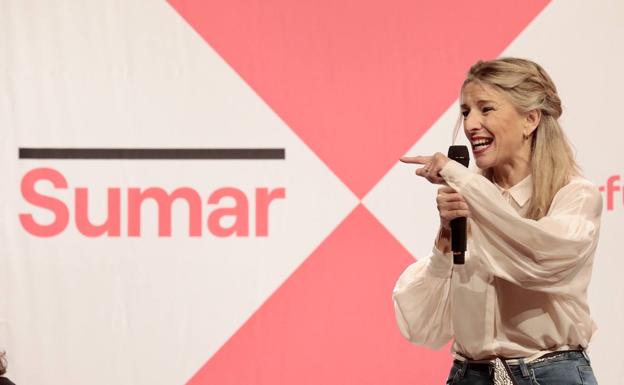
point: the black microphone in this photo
(458, 225)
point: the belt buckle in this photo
(502, 373)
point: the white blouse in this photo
(523, 289)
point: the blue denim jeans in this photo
(573, 368)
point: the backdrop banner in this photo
(209, 192)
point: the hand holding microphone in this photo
(452, 207)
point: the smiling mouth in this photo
(480, 145)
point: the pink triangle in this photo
(331, 322)
(358, 81)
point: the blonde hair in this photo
(2, 363)
(529, 87)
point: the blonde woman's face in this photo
(492, 125)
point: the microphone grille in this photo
(459, 154)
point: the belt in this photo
(500, 366)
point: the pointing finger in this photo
(415, 159)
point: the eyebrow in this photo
(480, 101)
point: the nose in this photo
(472, 122)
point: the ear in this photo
(532, 120)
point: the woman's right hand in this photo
(451, 205)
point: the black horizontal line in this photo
(152, 153)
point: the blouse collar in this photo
(520, 192)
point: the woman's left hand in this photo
(431, 166)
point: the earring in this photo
(525, 136)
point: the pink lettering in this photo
(239, 212)
(164, 201)
(61, 213)
(263, 200)
(611, 189)
(112, 224)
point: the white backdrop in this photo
(153, 310)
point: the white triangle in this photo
(148, 310)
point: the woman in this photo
(517, 309)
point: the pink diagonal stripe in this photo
(331, 322)
(358, 81)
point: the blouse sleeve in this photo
(539, 254)
(422, 302)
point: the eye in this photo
(487, 109)
(465, 113)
